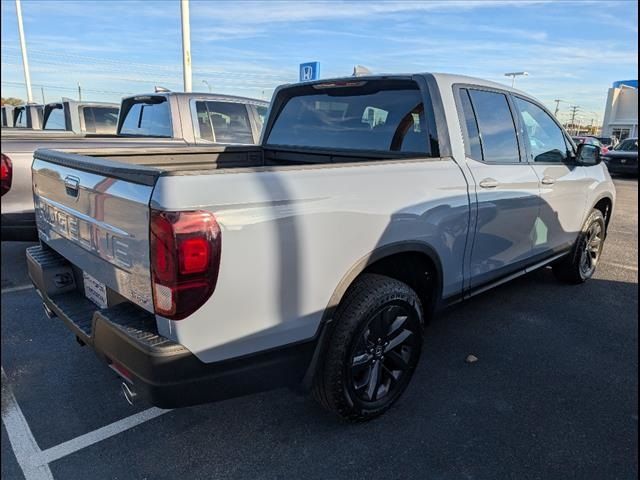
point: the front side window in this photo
(224, 122)
(363, 117)
(150, 118)
(546, 139)
(495, 124)
(55, 120)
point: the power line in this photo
(145, 66)
(58, 87)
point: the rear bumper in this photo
(19, 227)
(163, 372)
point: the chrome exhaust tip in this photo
(129, 394)
(48, 312)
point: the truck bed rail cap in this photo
(103, 166)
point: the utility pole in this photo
(513, 76)
(207, 84)
(23, 46)
(574, 110)
(557, 100)
(186, 45)
(42, 90)
(79, 92)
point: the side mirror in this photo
(588, 154)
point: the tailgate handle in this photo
(71, 185)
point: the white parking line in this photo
(35, 462)
(622, 266)
(25, 448)
(19, 288)
(67, 448)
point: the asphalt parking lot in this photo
(554, 394)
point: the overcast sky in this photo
(572, 50)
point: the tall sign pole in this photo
(23, 46)
(186, 44)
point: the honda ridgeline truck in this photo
(154, 120)
(318, 256)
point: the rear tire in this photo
(373, 349)
(580, 265)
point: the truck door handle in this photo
(548, 180)
(489, 183)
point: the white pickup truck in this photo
(154, 120)
(318, 256)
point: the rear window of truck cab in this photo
(376, 115)
(54, 117)
(146, 116)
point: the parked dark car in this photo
(623, 158)
(592, 141)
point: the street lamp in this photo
(513, 76)
(207, 84)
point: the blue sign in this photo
(309, 71)
(628, 83)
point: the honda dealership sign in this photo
(309, 71)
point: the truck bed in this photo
(146, 165)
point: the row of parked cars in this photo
(315, 257)
(620, 157)
(160, 119)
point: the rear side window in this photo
(546, 139)
(472, 138)
(147, 118)
(224, 122)
(55, 120)
(354, 118)
(100, 119)
(495, 124)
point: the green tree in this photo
(11, 101)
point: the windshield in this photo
(628, 145)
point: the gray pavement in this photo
(553, 395)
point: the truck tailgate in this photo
(96, 213)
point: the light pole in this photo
(23, 47)
(513, 76)
(186, 45)
(207, 84)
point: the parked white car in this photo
(318, 256)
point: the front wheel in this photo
(373, 350)
(581, 263)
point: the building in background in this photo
(621, 110)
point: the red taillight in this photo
(185, 259)
(6, 173)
